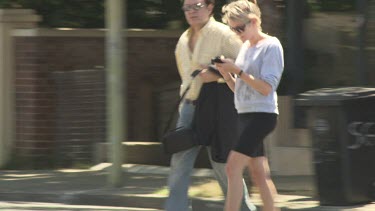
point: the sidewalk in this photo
(144, 187)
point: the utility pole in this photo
(116, 88)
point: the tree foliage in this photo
(332, 5)
(64, 13)
(155, 14)
(91, 13)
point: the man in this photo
(205, 39)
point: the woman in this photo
(254, 78)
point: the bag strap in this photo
(170, 119)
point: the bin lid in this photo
(331, 96)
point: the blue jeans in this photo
(182, 164)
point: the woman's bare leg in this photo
(260, 172)
(234, 169)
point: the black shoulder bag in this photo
(181, 138)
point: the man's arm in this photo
(231, 45)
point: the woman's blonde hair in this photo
(241, 11)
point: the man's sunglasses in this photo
(239, 29)
(195, 7)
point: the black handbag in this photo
(181, 138)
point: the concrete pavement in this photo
(144, 188)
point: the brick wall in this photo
(80, 114)
(35, 103)
(40, 61)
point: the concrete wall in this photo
(289, 149)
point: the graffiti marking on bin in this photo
(364, 133)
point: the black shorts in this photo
(252, 130)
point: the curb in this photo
(157, 202)
(125, 200)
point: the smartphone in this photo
(216, 60)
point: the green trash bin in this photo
(342, 125)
